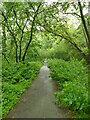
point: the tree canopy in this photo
(27, 26)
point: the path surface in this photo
(38, 101)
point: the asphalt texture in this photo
(38, 101)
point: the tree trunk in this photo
(23, 58)
(5, 57)
(16, 47)
(31, 32)
(20, 45)
(4, 40)
(86, 31)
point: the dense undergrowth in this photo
(15, 79)
(72, 79)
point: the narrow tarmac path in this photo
(38, 101)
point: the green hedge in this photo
(72, 77)
(15, 79)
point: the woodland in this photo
(58, 31)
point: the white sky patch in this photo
(73, 21)
(51, 1)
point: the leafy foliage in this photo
(16, 78)
(21, 23)
(72, 77)
(35, 30)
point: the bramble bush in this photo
(72, 77)
(15, 79)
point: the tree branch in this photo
(15, 14)
(12, 34)
(65, 38)
(72, 14)
(31, 32)
(84, 25)
(21, 40)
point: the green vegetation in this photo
(33, 31)
(16, 78)
(72, 79)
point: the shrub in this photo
(72, 77)
(16, 78)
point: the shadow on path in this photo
(38, 101)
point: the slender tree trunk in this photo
(16, 56)
(4, 40)
(12, 34)
(23, 58)
(31, 32)
(5, 57)
(16, 49)
(86, 31)
(20, 52)
(22, 31)
(20, 45)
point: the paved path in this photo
(38, 101)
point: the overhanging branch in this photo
(65, 38)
